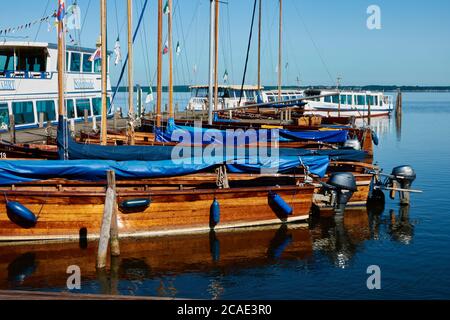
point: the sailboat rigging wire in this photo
(126, 59)
(248, 52)
(40, 24)
(313, 42)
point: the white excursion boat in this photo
(349, 104)
(229, 97)
(286, 95)
(29, 83)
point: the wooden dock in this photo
(30, 295)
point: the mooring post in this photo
(115, 121)
(41, 119)
(114, 232)
(12, 128)
(108, 213)
(368, 112)
(398, 106)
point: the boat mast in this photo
(171, 112)
(159, 68)
(211, 62)
(259, 44)
(61, 67)
(216, 62)
(130, 74)
(280, 50)
(104, 61)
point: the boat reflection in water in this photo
(215, 255)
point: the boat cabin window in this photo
(370, 100)
(23, 112)
(360, 100)
(327, 99)
(335, 99)
(31, 59)
(97, 105)
(349, 99)
(6, 60)
(343, 99)
(376, 100)
(4, 115)
(87, 64)
(47, 108)
(200, 92)
(70, 109)
(98, 66)
(83, 104)
(75, 62)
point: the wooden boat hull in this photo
(69, 215)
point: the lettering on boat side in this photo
(374, 280)
(374, 19)
(74, 280)
(225, 310)
(83, 84)
(7, 85)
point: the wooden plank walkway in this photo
(30, 295)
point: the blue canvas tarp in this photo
(194, 135)
(21, 171)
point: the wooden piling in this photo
(107, 224)
(368, 112)
(399, 104)
(114, 232)
(86, 116)
(12, 128)
(41, 119)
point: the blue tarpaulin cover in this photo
(177, 133)
(21, 171)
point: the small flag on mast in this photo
(225, 76)
(178, 50)
(96, 55)
(166, 8)
(117, 52)
(166, 48)
(61, 10)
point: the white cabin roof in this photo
(232, 87)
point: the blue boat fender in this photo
(214, 218)
(375, 139)
(135, 204)
(20, 214)
(279, 205)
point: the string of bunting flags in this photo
(26, 26)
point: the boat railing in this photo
(25, 75)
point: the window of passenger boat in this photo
(343, 99)
(31, 59)
(6, 60)
(98, 65)
(4, 114)
(327, 99)
(335, 99)
(370, 100)
(83, 104)
(70, 107)
(23, 112)
(87, 64)
(349, 99)
(376, 100)
(75, 62)
(361, 100)
(47, 108)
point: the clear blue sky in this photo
(322, 39)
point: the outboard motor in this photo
(342, 186)
(402, 177)
(353, 144)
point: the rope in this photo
(248, 51)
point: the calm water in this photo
(326, 260)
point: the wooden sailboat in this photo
(40, 206)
